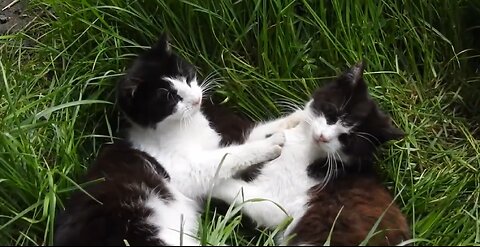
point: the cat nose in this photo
(197, 102)
(321, 138)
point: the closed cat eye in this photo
(169, 95)
(329, 108)
(330, 112)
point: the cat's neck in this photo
(174, 134)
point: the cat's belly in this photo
(285, 182)
(184, 172)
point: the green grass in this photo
(57, 85)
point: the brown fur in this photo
(363, 199)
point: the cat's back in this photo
(359, 201)
(125, 180)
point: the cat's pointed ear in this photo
(128, 86)
(162, 46)
(393, 133)
(390, 131)
(352, 79)
(356, 72)
(354, 75)
(126, 89)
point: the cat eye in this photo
(331, 113)
(169, 96)
(347, 121)
(173, 97)
(331, 119)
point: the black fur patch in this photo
(250, 173)
(128, 174)
(232, 126)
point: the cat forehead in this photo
(333, 96)
(182, 82)
(154, 65)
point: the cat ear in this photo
(393, 133)
(162, 46)
(390, 132)
(355, 74)
(126, 88)
(129, 85)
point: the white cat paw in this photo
(293, 120)
(277, 139)
(273, 146)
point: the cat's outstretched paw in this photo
(277, 139)
(293, 120)
(274, 145)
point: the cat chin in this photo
(330, 148)
(184, 114)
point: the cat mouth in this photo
(327, 147)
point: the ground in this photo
(13, 18)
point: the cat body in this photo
(125, 206)
(161, 98)
(334, 138)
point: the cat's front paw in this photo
(277, 139)
(293, 120)
(273, 146)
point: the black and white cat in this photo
(166, 169)
(338, 131)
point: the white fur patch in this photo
(176, 219)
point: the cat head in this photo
(159, 86)
(343, 117)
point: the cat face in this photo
(159, 86)
(343, 117)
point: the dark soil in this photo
(13, 18)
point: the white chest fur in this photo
(176, 146)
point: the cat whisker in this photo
(186, 118)
(331, 167)
(289, 106)
(366, 138)
(323, 183)
(210, 83)
(329, 172)
(211, 75)
(335, 168)
(211, 79)
(309, 119)
(345, 103)
(207, 89)
(182, 121)
(341, 161)
(368, 134)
